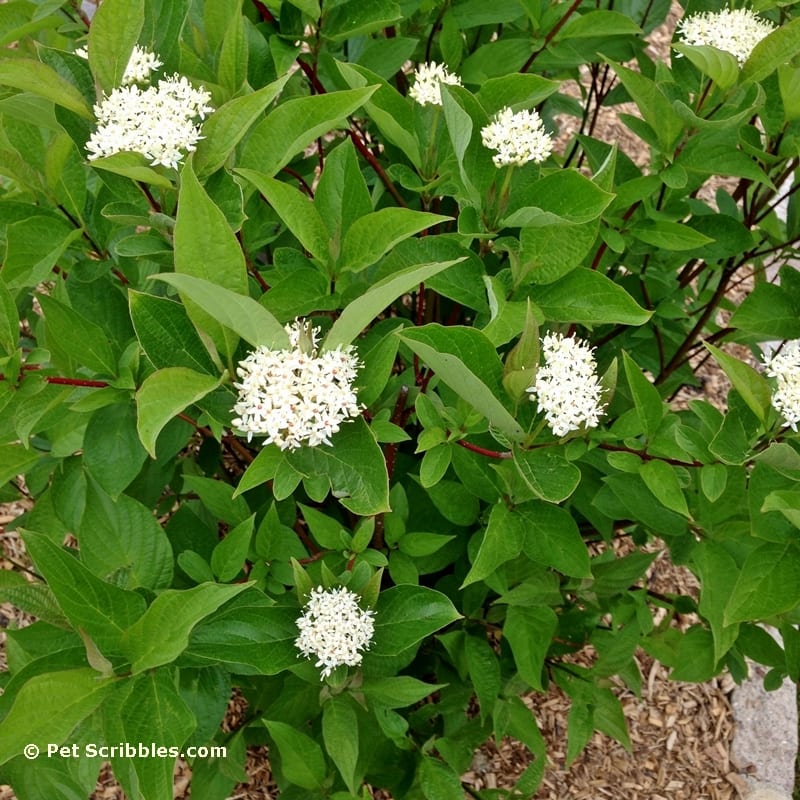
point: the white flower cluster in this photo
(160, 122)
(427, 82)
(296, 396)
(785, 368)
(517, 138)
(736, 32)
(141, 63)
(334, 629)
(566, 386)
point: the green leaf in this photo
(649, 406)
(751, 385)
(76, 693)
(354, 467)
(293, 125)
(250, 636)
(789, 84)
(586, 297)
(768, 312)
(484, 672)
(455, 502)
(653, 105)
(434, 465)
(114, 31)
(309, 7)
(153, 713)
(551, 537)
(785, 501)
(662, 480)
(33, 246)
(548, 475)
(732, 443)
(340, 734)
(301, 760)
(29, 75)
(563, 196)
(550, 252)
(398, 691)
(719, 65)
(161, 634)
(261, 469)
(111, 449)
(465, 359)
(719, 153)
(166, 334)
(438, 781)
(341, 196)
(769, 584)
(718, 574)
(206, 248)
(713, 480)
(667, 235)
(600, 23)
(227, 126)
(15, 459)
(165, 393)
(516, 90)
(121, 537)
(228, 557)
(503, 540)
(375, 234)
(237, 312)
(529, 632)
(163, 23)
(9, 320)
(104, 611)
(780, 47)
(419, 545)
(358, 314)
(355, 18)
(87, 342)
(233, 55)
(463, 116)
(405, 615)
(217, 497)
(296, 210)
(134, 166)
(36, 599)
(386, 107)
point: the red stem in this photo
(76, 382)
(547, 39)
(482, 450)
(265, 13)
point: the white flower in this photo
(160, 122)
(566, 386)
(427, 81)
(296, 396)
(334, 629)
(785, 368)
(141, 63)
(518, 138)
(737, 32)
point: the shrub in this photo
(337, 382)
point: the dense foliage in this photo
(345, 379)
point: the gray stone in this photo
(765, 739)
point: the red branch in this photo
(482, 450)
(550, 36)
